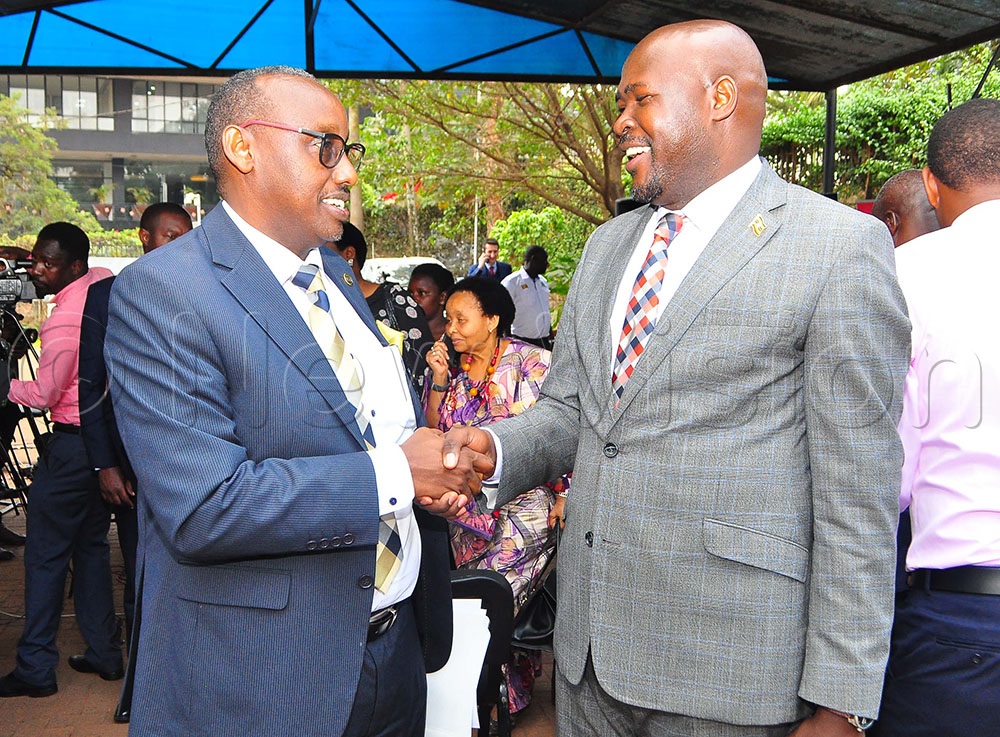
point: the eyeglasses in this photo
(331, 148)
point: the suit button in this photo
(323, 543)
(589, 537)
(335, 542)
(610, 450)
(348, 539)
(312, 545)
(366, 582)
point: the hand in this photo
(558, 513)
(437, 359)
(482, 259)
(432, 482)
(449, 505)
(824, 723)
(461, 438)
(115, 488)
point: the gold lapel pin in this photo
(758, 226)
(348, 280)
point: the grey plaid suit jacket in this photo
(729, 544)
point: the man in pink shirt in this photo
(944, 664)
(68, 520)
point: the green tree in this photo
(28, 197)
(883, 123)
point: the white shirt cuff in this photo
(492, 484)
(393, 479)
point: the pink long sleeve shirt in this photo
(57, 385)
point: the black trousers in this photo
(66, 521)
(391, 700)
(943, 678)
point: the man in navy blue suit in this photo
(273, 434)
(488, 267)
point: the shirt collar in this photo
(710, 208)
(281, 261)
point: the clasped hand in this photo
(448, 469)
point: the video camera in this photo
(14, 283)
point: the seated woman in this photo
(390, 304)
(497, 377)
(429, 285)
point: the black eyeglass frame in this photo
(328, 143)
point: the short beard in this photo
(652, 190)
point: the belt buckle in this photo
(383, 620)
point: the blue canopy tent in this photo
(808, 45)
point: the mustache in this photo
(627, 141)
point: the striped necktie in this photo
(640, 319)
(389, 552)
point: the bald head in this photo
(903, 206)
(691, 100)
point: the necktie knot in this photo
(668, 227)
(307, 278)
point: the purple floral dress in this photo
(514, 539)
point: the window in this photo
(84, 103)
(169, 107)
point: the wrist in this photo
(859, 723)
(439, 385)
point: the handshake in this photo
(448, 468)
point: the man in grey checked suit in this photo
(727, 563)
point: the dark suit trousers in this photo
(943, 677)
(66, 521)
(127, 524)
(391, 700)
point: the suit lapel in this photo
(253, 285)
(747, 229)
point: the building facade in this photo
(123, 141)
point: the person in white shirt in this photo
(944, 667)
(530, 292)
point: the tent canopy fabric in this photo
(807, 45)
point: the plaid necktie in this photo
(639, 315)
(389, 552)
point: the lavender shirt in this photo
(950, 425)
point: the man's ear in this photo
(144, 236)
(892, 221)
(724, 98)
(932, 186)
(348, 253)
(236, 145)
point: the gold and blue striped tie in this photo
(389, 552)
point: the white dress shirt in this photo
(950, 425)
(385, 396)
(532, 318)
(702, 218)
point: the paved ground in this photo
(84, 705)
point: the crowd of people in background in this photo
(753, 406)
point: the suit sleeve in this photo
(96, 426)
(540, 444)
(212, 502)
(856, 354)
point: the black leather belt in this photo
(381, 622)
(961, 580)
(68, 429)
